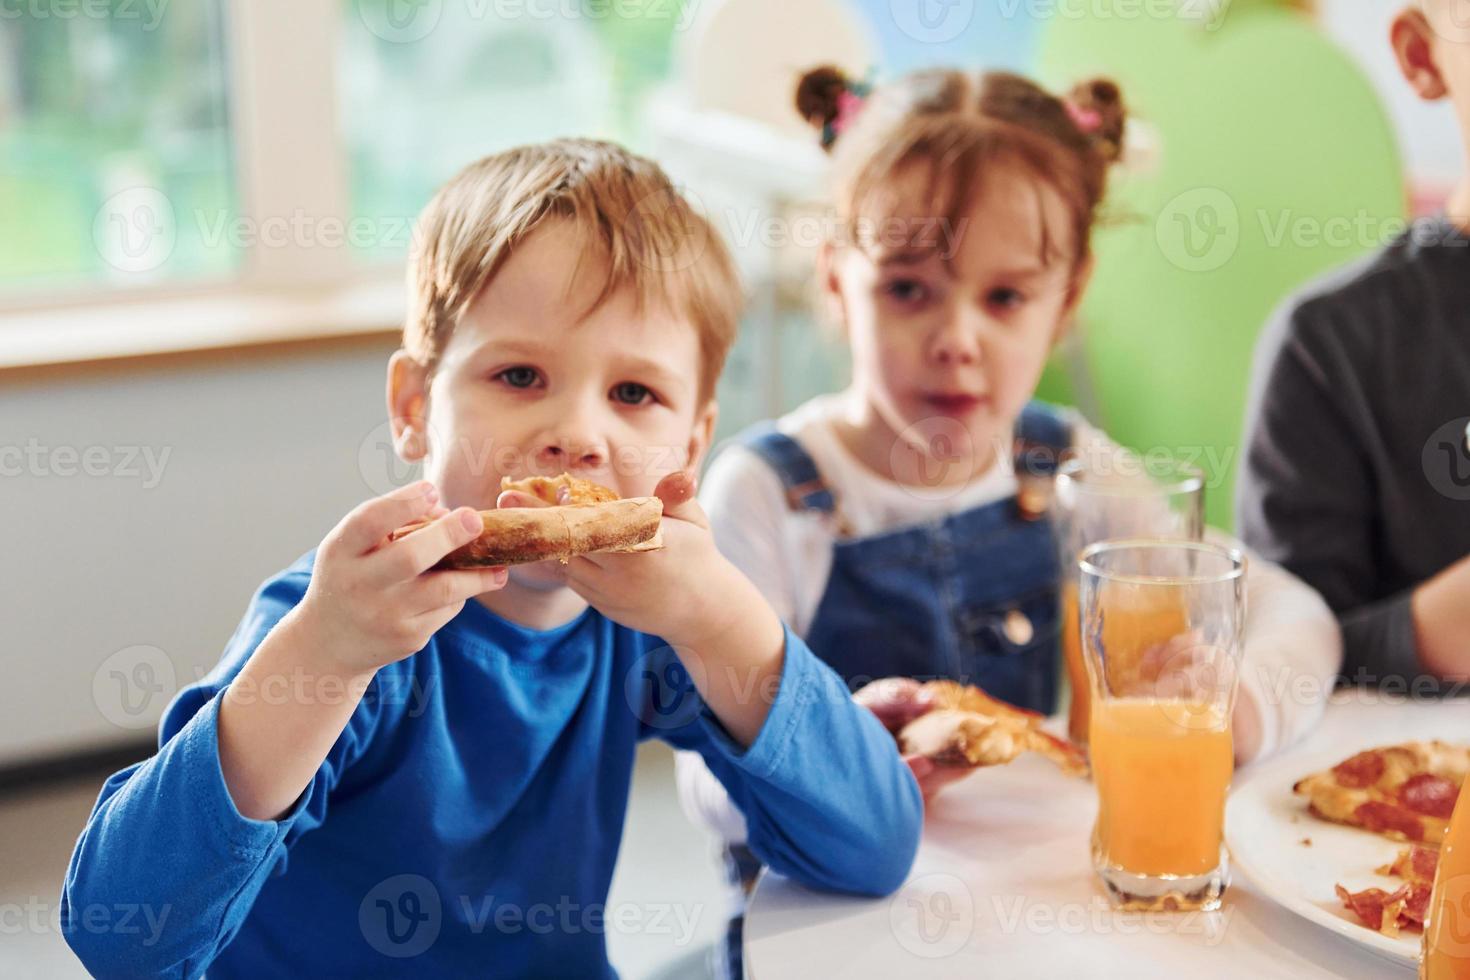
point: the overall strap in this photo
(1043, 436)
(1043, 440)
(805, 489)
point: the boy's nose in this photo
(569, 456)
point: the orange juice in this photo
(1078, 716)
(1447, 933)
(1132, 623)
(1162, 769)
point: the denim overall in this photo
(971, 596)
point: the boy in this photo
(449, 764)
(1357, 476)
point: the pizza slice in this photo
(958, 724)
(581, 518)
(1405, 792)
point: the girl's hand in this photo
(932, 776)
(371, 601)
(895, 701)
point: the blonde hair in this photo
(623, 207)
(959, 125)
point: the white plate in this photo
(1266, 824)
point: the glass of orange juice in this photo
(1447, 931)
(1114, 495)
(1161, 624)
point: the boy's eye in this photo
(909, 292)
(518, 377)
(1005, 298)
(631, 393)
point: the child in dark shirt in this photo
(1357, 473)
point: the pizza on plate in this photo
(1405, 792)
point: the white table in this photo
(1002, 887)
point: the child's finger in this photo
(372, 521)
(920, 765)
(438, 590)
(895, 701)
(583, 570)
(431, 620)
(677, 492)
(518, 498)
(585, 577)
(416, 553)
(941, 777)
(931, 776)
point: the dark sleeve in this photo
(1307, 497)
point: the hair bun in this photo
(1103, 97)
(818, 95)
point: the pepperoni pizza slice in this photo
(1406, 792)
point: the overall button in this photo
(1017, 628)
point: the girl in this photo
(889, 524)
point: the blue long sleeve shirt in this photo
(467, 820)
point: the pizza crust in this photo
(596, 520)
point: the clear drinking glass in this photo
(1161, 635)
(1117, 495)
(1446, 945)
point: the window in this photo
(115, 156)
(150, 143)
(427, 87)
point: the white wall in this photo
(263, 457)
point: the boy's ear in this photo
(1412, 37)
(407, 395)
(703, 434)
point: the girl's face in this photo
(947, 353)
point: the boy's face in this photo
(529, 386)
(958, 347)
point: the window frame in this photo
(290, 164)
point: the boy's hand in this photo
(688, 594)
(685, 592)
(371, 601)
